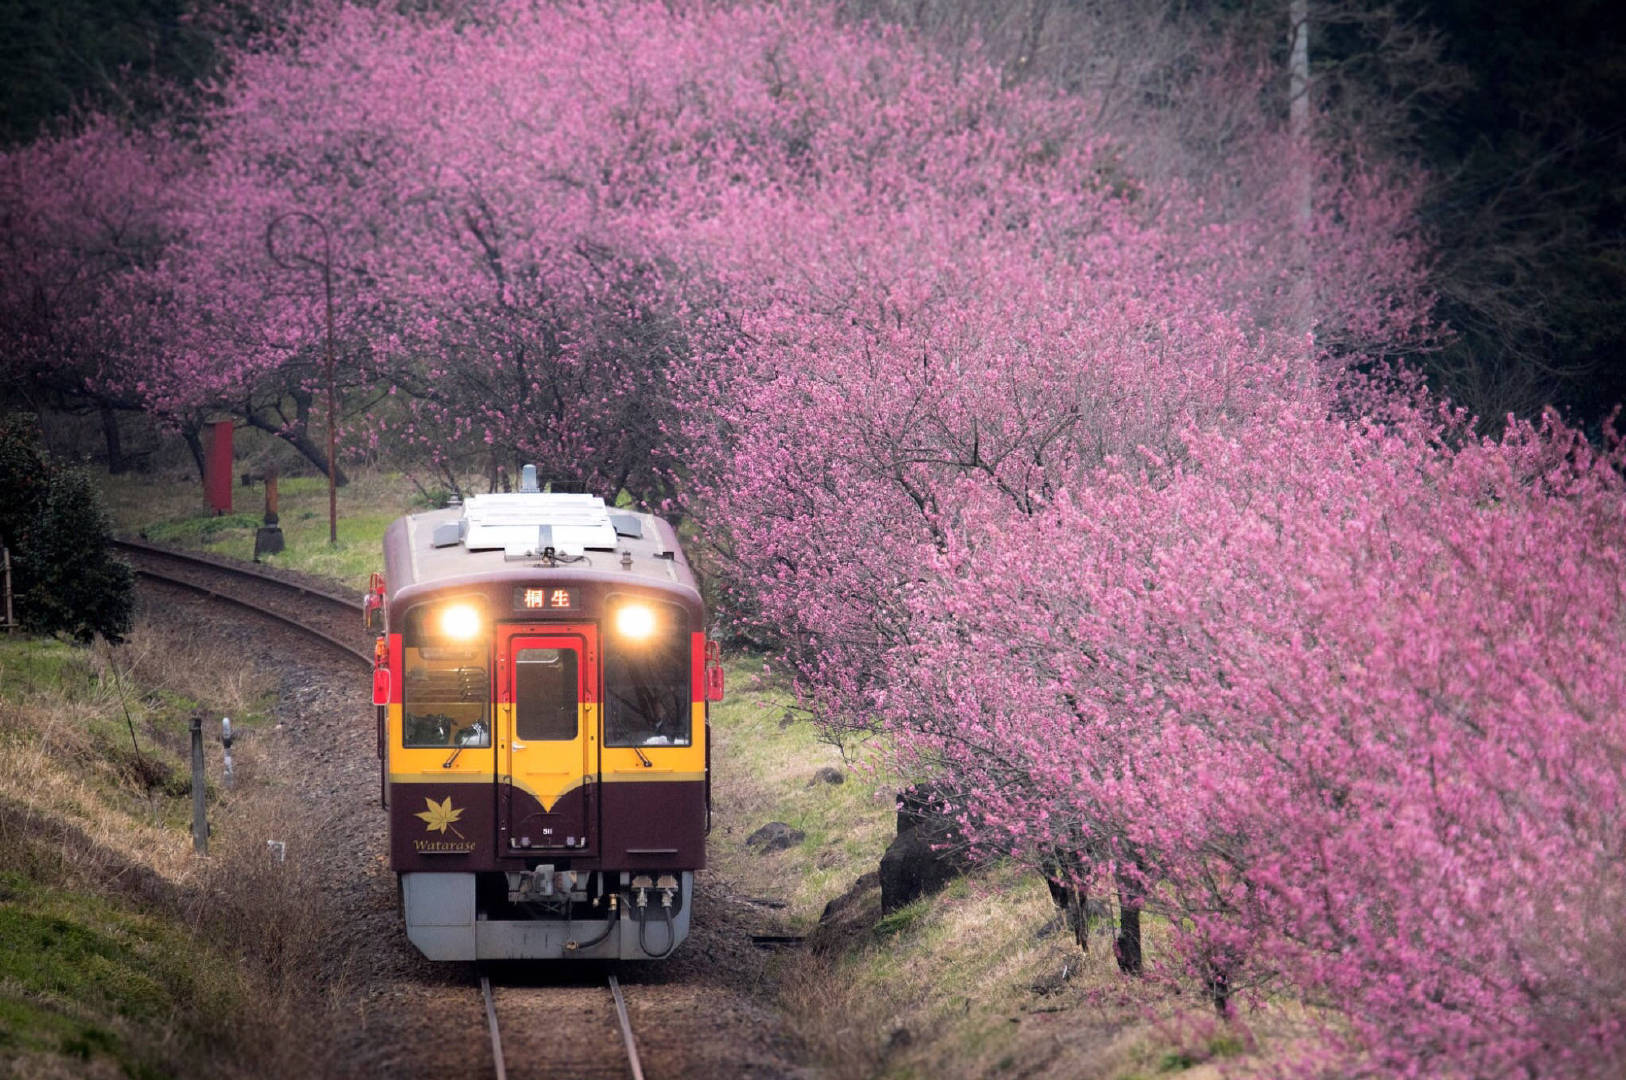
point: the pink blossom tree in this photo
(1015, 453)
(83, 214)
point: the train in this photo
(542, 679)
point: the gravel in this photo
(708, 1011)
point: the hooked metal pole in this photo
(326, 266)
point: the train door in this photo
(547, 739)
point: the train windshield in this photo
(648, 697)
(445, 689)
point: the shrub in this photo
(63, 577)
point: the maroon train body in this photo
(542, 684)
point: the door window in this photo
(546, 691)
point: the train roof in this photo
(507, 535)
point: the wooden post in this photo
(5, 558)
(200, 819)
(271, 495)
(268, 537)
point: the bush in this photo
(64, 579)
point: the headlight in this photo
(460, 621)
(634, 621)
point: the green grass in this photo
(173, 512)
(903, 919)
(33, 665)
(83, 979)
(762, 768)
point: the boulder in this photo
(849, 916)
(928, 852)
(774, 836)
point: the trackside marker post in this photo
(225, 745)
(200, 820)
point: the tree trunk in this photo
(1218, 981)
(116, 461)
(1126, 947)
(297, 438)
(195, 444)
(1302, 301)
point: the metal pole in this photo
(332, 415)
(225, 746)
(332, 392)
(200, 820)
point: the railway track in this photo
(328, 616)
(629, 1065)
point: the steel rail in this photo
(491, 1021)
(232, 567)
(204, 590)
(633, 1061)
(626, 1029)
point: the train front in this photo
(542, 685)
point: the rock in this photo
(828, 775)
(849, 901)
(848, 917)
(774, 836)
(929, 851)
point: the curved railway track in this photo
(556, 1024)
(326, 615)
(334, 619)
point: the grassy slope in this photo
(170, 511)
(980, 981)
(110, 960)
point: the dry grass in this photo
(762, 766)
(982, 980)
(123, 952)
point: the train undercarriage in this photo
(547, 913)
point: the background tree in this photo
(63, 577)
(124, 58)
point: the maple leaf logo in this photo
(439, 816)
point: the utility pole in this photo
(303, 261)
(1302, 315)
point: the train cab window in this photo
(546, 694)
(445, 688)
(648, 695)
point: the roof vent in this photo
(449, 533)
(525, 523)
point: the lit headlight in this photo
(634, 621)
(460, 621)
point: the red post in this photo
(217, 483)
